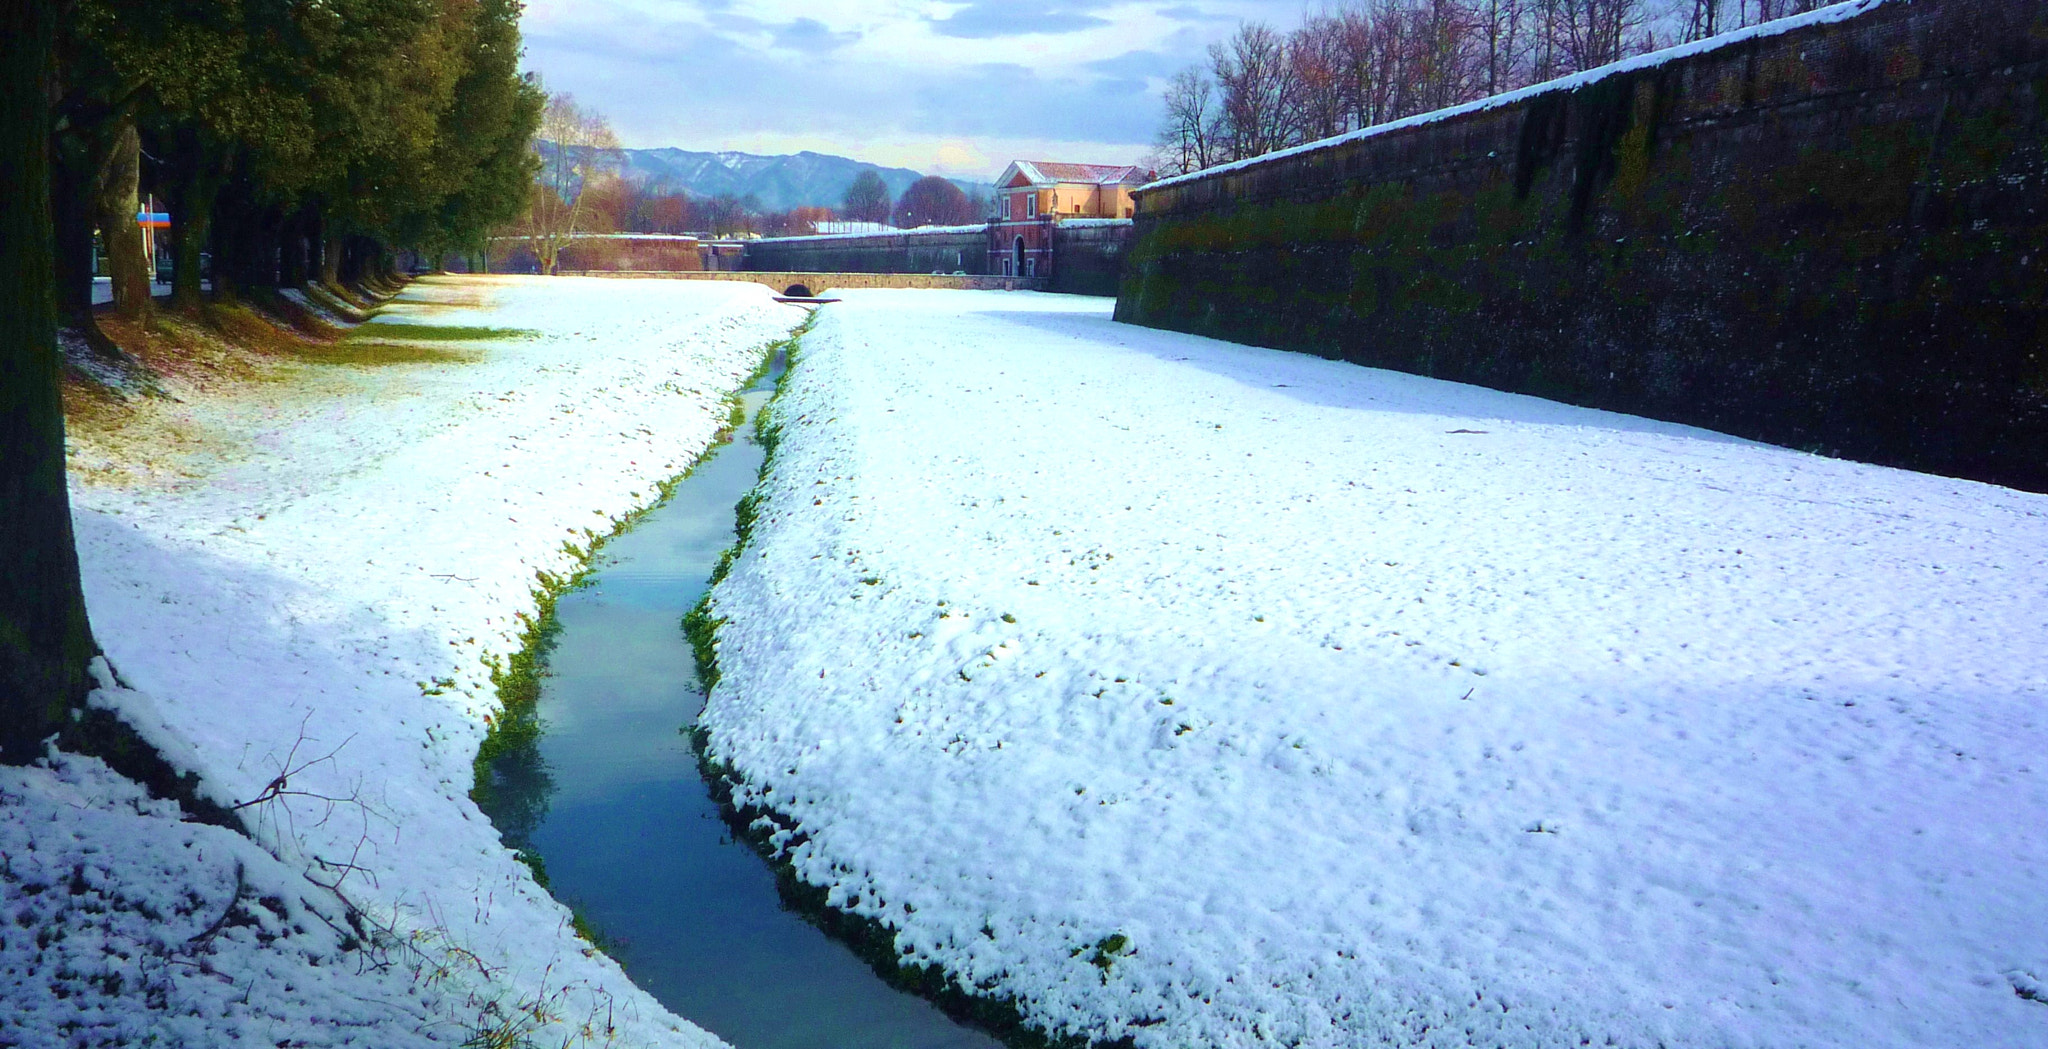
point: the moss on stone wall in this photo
(1753, 240)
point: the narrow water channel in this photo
(627, 828)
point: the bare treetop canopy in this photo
(577, 149)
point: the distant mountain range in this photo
(804, 180)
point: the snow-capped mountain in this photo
(779, 182)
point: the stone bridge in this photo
(809, 285)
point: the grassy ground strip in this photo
(873, 940)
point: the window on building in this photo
(1031, 267)
(1031, 205)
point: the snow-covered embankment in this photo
(1217, 696)
(306, 582)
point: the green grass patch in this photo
(440, 333)
(377, 353)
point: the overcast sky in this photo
(960, 87)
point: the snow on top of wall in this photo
(1837, 13)
(637, 236)
(1092, 223)
(921, 231)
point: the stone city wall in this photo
(1830, 233)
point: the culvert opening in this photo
(798, 291)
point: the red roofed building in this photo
(1033, 196)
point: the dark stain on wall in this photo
(1834, 239)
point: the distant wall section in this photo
(812, 283)
(604, 251)
(1832, 236)
(1087, 254)
(948, 249)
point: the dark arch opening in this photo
(1020, 257)
(797, 291)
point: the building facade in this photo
(1033, 196)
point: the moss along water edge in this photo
(513, 736)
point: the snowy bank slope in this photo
(1219, 696)
(341, 574)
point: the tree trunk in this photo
(71, 214)
(333, 245)
(45, 641)
(300, 233)
(117, 203)
(261, 257)
(198, 185)
(226, 242)
(243, 254)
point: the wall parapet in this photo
(1828, 233)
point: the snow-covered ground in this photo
(1224, 697)
(301, 574)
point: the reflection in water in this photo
(610, 797)
(516, 797)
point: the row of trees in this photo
(580, 190)
(1380, 60)
(294, 139)
(930, 201)
(623, 205)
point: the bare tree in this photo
(1704, 20)
(804, 220)
(1594, 32)
(727, 215)
(1187, 135)
(1498, 51)
(1375, 52)
(1754, 11)
(1360, 83)
(577, 148)
(1316, 53)
(1261, 103)
(669, 213)
(933, 201)
(867, 198)
(1372, 61)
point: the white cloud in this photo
(920, 83)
